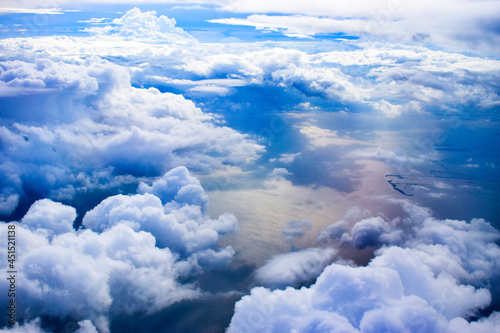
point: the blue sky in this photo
(193, 164)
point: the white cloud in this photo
(8, 201)
(321, 137)
(470, 25)
(172, 210)
(179, 185)
(43, 75)
(298, 25)
(467, 26)
(96, 130)
(131, 256)
(49, 218)
(144, 25)
(294, 268)
(285, 158)
(435, 278)
(89, 118)
(280, 172)
(28, 327)
(372, 232)
(41, 11)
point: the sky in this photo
(251, 166)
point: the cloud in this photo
(372, 232)
(470, 26)
(93, 131)
(8, 201)
(392, 78)
(433, 280)
(49, 218)
(144, 25)
(172, 209)
(393, 20)
(280, 172)
(131, 255)
(21, 78)
(79, 127)
(294, 268)
(298, 25)
(179, 185)
(321, 137)
(285, 158)
(41, 11)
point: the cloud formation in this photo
(73, 127)
(294, 268)
(433, 280)
(135, 24)
(396, 20)
(131, 255)
(79, 122)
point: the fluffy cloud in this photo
(8, 201)
(84, 326)
(84, 128)
(172, 209)
(392, 78)
(434, 279)
(78, 127)
(471, 24)
(49, 217)
(20, 77)
(294, 268)
(130, 256)
(372, 232)
(280, 172)
(145, 25)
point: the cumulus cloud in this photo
(85, 128)
(144, 25)
(172, 209)
(280, 172)
(8, 201)
(130, 256)
(372, 231)
(294, 268)
(43, 75)
(392, 78)
(79, 127)
(50, 218)
(434, 279)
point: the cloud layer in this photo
(433, 281)
(81, 128)
(471, 25)
(130, 256)
(71, 127)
